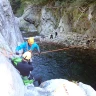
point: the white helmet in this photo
(27, 55)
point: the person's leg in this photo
(30, 75)
(26, 80)
(38, 79)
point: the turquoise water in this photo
(72, 64)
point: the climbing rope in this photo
(63, 86)
(56, 50)
(5, 52)
(11, 53)
(53, 51)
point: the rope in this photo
(63, 86)
(5, 52)
(11, 53)
(54, 50)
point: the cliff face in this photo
(10, 81)
(74, 24)
(9, 25)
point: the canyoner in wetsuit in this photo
(21, 64)
(30, 45)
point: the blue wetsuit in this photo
(25, 46)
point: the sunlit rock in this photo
(8, 25)
(10, 81)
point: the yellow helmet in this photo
(31, 40)
(27, 55)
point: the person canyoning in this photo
(29, 45)
(25, 69)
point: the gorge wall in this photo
(75, 24)
(9, 30)
(10, 81)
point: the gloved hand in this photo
(17, 53)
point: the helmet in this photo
(31, 40)
(27, 55)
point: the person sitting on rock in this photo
(25, 69)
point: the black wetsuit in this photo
(24, 68)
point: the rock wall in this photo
(75, 25)
(60, 87)
(9, 25)
(10, 81)
(29, 22)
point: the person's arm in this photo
(38, 48)
(20, 47)
(35, 45)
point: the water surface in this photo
(72, 64)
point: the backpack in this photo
(16, 60)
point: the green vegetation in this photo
(15, 5)
(62, 2)
(35, 2)
(18, 5)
